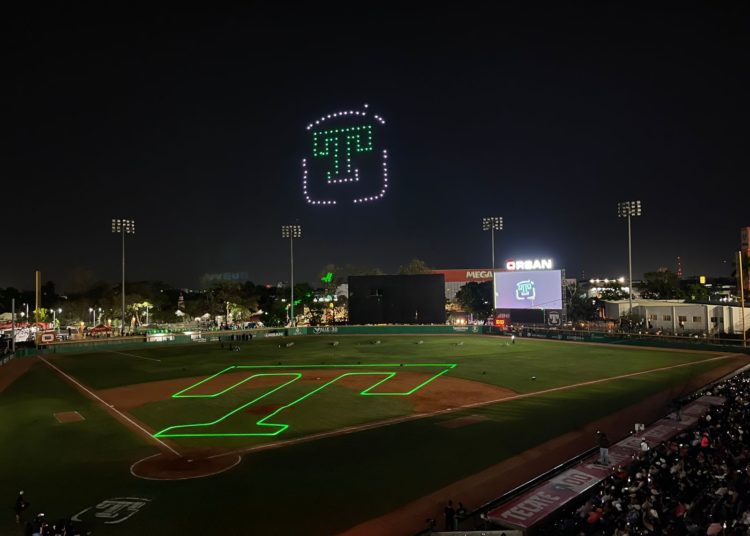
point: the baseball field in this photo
(314, 435)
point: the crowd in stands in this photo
(697, 483)
(39, 525)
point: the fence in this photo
(629, 339)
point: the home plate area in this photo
(68, 416)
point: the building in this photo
(457, 278)
(396, 299)
(676, 316)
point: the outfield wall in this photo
(114, 343)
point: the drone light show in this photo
(346, 160)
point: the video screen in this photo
(532, 289)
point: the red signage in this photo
(466, 275)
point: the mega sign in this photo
(465, 275)
(478, 274)
(535, 264)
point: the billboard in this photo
(466, 275)
(397, 299)
(528, 289)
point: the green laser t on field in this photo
(168, 432)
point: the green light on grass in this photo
(278, 428)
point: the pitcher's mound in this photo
(168, 467)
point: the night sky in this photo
(193, 124)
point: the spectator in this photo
(461, 514)
(21, 506)
(697, 483)
(450, 515)
(603, 442)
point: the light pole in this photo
(741, 285)
(291, 232)
(54, 318)
(13, 325)
(629, 209)
(93, 311)
(123, 227)
(492, 224)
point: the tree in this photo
(39, 314)
(696, 293)
(415, 266)
(612, 292)
(79, 280)
(661, 285)
(581, 308)
(476, 298)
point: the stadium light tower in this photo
(629, 209)
(123, 227)
(291, 232)
(492, 224)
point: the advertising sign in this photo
(533, 289)
(528, 264)
(468, 275)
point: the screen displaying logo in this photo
(537, 289)
(525, 290)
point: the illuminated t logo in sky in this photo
(326, 143)
(348, 160)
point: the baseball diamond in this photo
(212, 421)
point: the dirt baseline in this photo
(443, 393)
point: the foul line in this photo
(417, 416)
(110, 407)
(131, 355)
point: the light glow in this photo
(338, 147)
(277, 428)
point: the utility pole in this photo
(741, 284)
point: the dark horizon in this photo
(193, 124)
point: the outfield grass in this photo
(321, 486)
(316, 414)
(486, 359)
